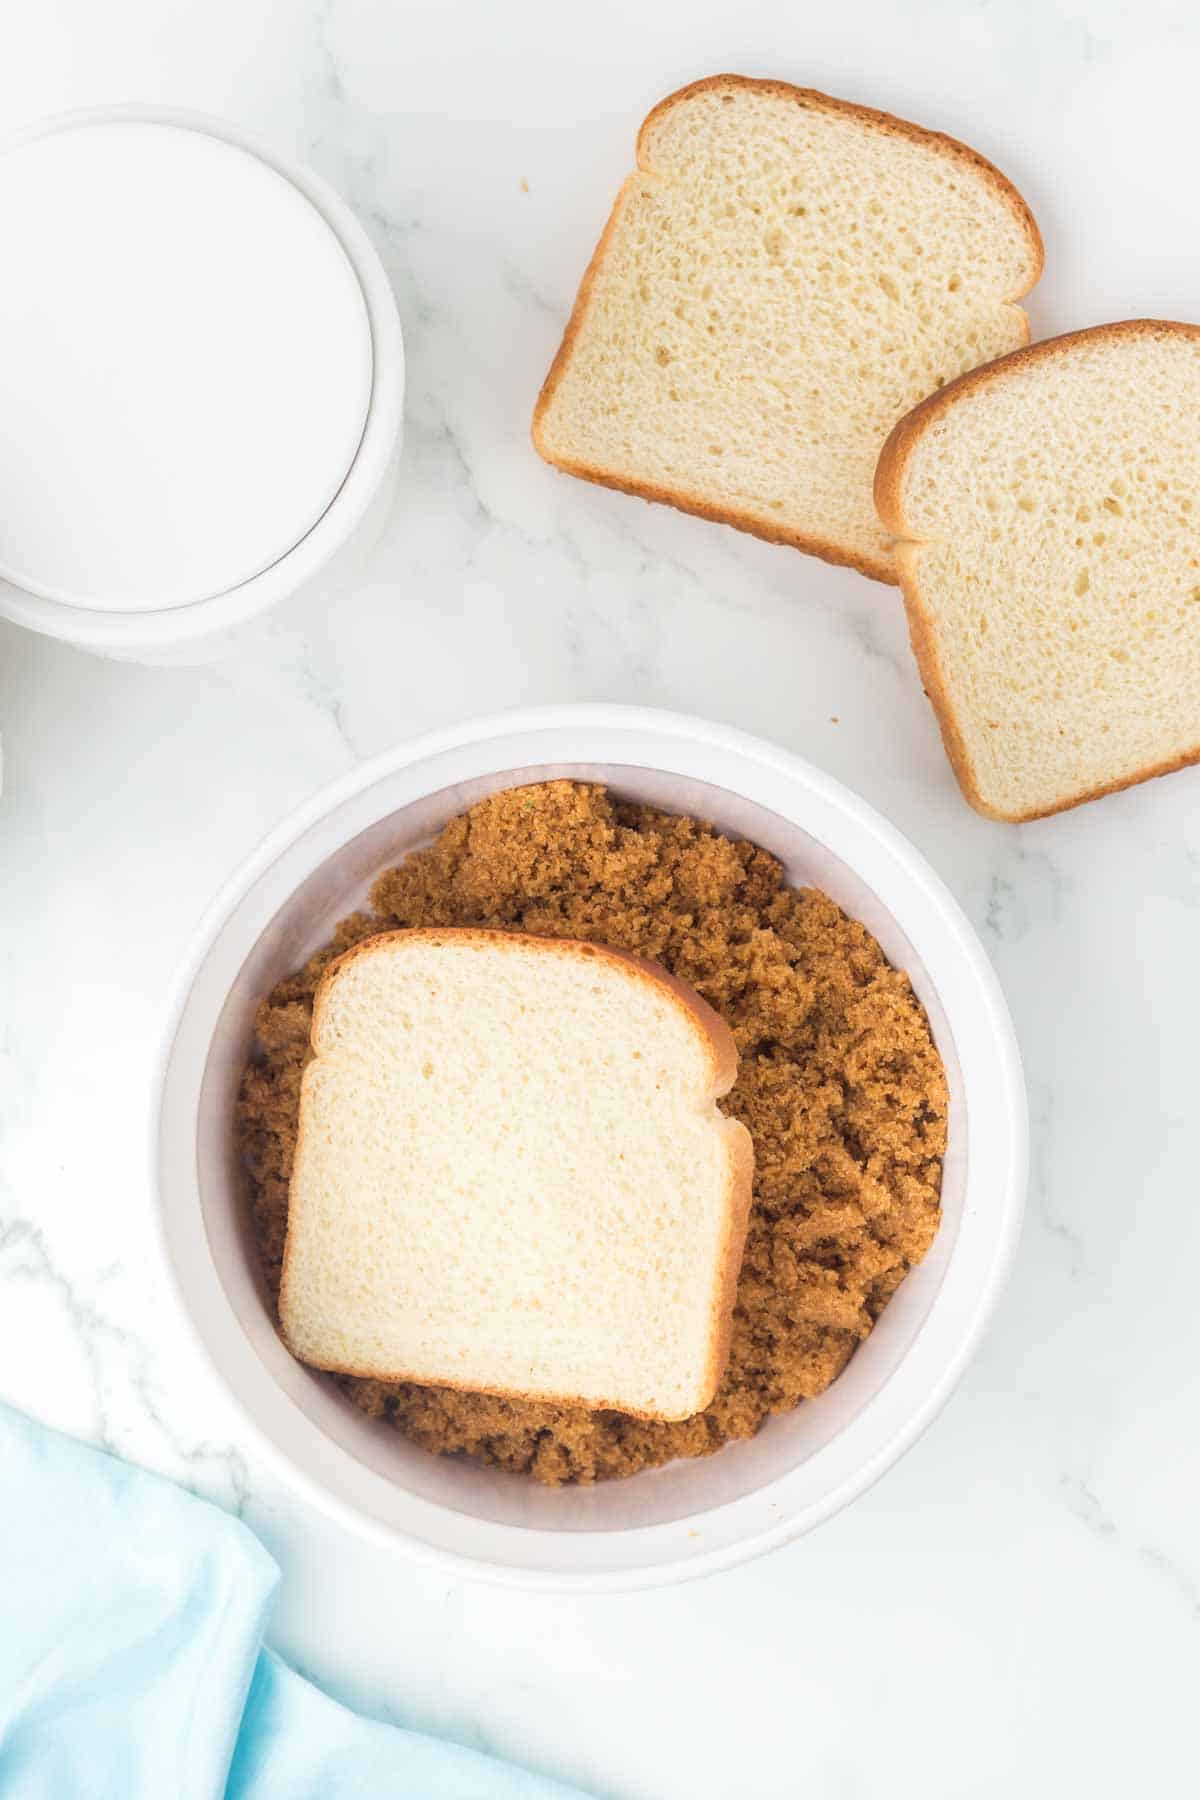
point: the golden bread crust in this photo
(723, 1064)
(682, 499)
(890, 475)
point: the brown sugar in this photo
(839, 1084)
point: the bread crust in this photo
(890, 472)
(681, 499)
(723, 1064)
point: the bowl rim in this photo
(1007, 1168)
(103, 630)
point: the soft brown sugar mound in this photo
(840, 1085)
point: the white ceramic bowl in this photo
(693, 1516)
(331, 543)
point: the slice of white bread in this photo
(781, 280)
(512, 1174)
(1050, 505)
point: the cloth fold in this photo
(131, 1657)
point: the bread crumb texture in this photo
(512, 1174)
(1054, 587)
(784, 277)
(839, 1085)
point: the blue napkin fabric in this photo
(132, 1663)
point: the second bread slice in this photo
(512, 1175)
(1051, 564)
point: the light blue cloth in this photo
(131, 1659)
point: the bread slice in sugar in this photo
(783, 278)
(512, 1174)
(1050, 505)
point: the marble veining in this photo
(1016, 1607)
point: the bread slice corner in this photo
(1048, 549)
(512, 1175)
(783, 276)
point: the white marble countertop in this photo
(1016, 1607)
